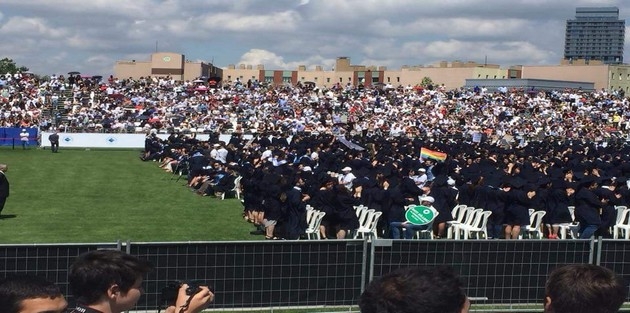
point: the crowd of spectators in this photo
(334, 147)
(121, 105)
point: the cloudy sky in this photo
(57, 36)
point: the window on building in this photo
(398, 79)
(328, 79)
(375, 79)
(389, 79)
(349, 79)
(229, 77)
(340, 80)
(287, 80)
(269, 79)
(302, 78)
(486, 76)
(495, 76)
(315, 79)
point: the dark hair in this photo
(415, 290)
(94, 272)
(585, 288)
(15, 289)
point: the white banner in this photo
(96, 140)
(112, 140)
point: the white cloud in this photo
(271, 60)
(280, 21)
(260, 56)
(30, 27)
(287, 33)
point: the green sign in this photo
(420, 215)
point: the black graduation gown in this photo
(587, 206)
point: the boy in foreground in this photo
(110, 281)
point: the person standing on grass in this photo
(54, 141)
(4, 186)
(24, 138)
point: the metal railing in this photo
(331, 273)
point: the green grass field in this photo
(80, 196)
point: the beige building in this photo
(610, 77)
(162, 64)
(450, 74)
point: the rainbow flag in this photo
(430, 154)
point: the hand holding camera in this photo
(187, 297)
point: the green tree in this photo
(8, 66)
(426, 81)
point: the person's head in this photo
(427, 200)
(584, 288)
(30, 294)
(415, 290)
(108, 275)
(4, 167)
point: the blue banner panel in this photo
(11, 135)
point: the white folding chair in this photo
(428, 232)
(477, 228)
(619, 209)
(459, 214)
(358, 208)
(363, 216)
(453, 231)
(569, 228)
(622, 226)
(369, 226)
(310, 213)
(236, 189)
(312, 231)
(534, 229)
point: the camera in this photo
(169, 293)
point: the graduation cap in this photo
(361, 181)
(606, 180)
(543, 181)
(440, 180)
(530, 187)
(586, 181)
(515, 182)
(579, 175)
(566, 185)
(621, 180)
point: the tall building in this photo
(595, 34)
